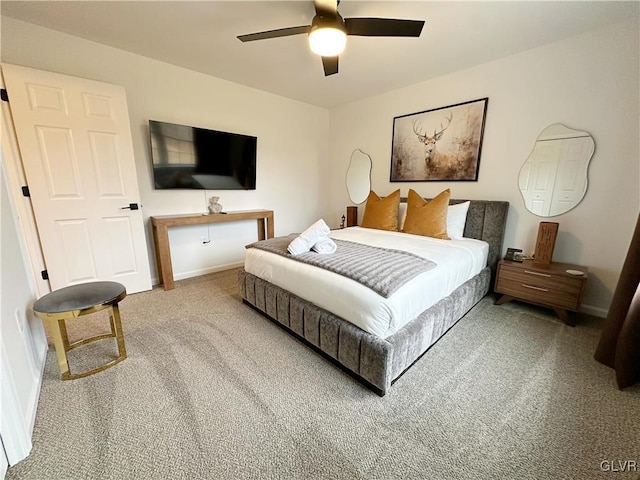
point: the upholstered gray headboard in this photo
(486, 220)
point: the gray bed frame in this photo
(378, 362)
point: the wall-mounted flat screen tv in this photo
(191, 157)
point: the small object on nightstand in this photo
(352, 216)
(575, 272)
(512, 253)
(547, 233)
(342, 221)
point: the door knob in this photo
(132, 206)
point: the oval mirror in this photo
(359, 176)
(553, 180)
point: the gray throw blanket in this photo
(382, 270)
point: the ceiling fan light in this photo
(327, 41)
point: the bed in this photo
(372, 338)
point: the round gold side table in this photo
(75, 301)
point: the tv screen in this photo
(191, 157)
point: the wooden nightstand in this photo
(352, 216)
(546, 285)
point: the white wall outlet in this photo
(20, 320)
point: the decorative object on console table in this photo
(214, 206)
(557, 285)
(352, 216)
(547, 233)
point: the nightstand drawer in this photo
(540, 287)
(537, 294)
(541, 279)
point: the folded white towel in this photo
(308, 238)
(325, 245)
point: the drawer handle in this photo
(537, 273)
(536, 288)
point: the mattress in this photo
(456, 262)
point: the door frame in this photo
(28, 230)
(17, 429)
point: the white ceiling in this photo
(201, 36)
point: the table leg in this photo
(63, 334)
(119, 334)
(503, 299)
(261, 229)
(270, 225)
(112, 323)
(163, 256)
(564, 316)
(59, 345)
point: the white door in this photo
(571, 180)
(539, 176)
(75, 142)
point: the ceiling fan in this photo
(328, 31)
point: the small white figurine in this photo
(214, 206)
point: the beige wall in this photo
(291, 139)
(590, 82)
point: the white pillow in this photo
(402, 214)
(456, 220)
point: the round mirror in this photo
(359, 176)
(553, 180)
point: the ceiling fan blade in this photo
(383, 27)
(326, 7)
(281, 32)
(330, 65)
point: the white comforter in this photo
(457, 261)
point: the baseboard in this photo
(33, 405)
(595, 311)
(203, 271)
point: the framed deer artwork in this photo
(443, 144)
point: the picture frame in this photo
(451, 153)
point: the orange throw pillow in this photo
(428, 219)
(382, 212)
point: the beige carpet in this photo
(212, 390)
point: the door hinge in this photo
(25, 191)
(4, 95)
(45, 275)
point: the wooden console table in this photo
(162, 223)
